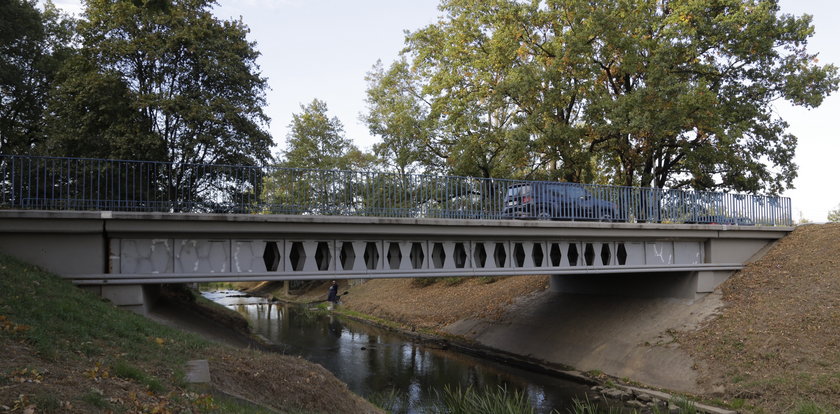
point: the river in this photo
(375, 362)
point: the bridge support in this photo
(135, 298)
(680, 285)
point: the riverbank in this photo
(65, 350)
(764, 342)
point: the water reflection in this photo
(373, 360)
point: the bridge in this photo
(116, 226)
(116, 253)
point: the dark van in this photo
(556, 201)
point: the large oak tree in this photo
(675, 93)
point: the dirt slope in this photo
(440, 304)
(776, 342)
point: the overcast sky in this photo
(323, 49)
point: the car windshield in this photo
(573, 191)
(519, 191)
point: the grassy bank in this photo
(68, 351)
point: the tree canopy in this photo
(192, 78)
(317, 141)
(631, 92)
(159, 80)
(32, 47)
(834, 215)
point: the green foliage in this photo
(487, 401)
(422, 282)
(586, 406)
(33, 44)
(125, 370)
(95, 398)
(399, 117)
(315, 145)
(834, 215)
(646, 93)
(63, 321)
(453, 281)
(317, 141)
(193, 80)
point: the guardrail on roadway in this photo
(52, 183)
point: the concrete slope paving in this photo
(620, 336)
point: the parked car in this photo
(721, 219)
(556, 201)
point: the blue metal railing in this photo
(50, 183)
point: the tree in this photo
(317, 141)
(318, 170)
(397, 113)
(651, 93)
(684, 91)
(834, 215)
(191, 79)
(32, 46)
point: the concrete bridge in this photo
(116, 253)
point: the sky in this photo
(323, 49)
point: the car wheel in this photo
(543, 215)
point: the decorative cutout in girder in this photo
(438, 255)
(518, 255)
(479, 255)
(621, 255)
(555, 254)
(537, 255)
(589, 254)
(323, 256)
(271, 256)
(573, 254)
(394, 255)
(459, 255)
(297, 256)
(347, 256)
(606, 254)
(371, 255)
(500, 255)
(417, 256)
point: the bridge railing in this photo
(50, 183)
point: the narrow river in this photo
(374, 361)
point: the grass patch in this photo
(810, 407)
(61, 321)
(124, 370)
(46, 402)
(421, 282)
(586, 406)
(486, 401)
(96, 398)
(453, 281)
(486, 280)
(373, 319)
(66, 325)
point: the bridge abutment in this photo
(678, 285)
(135, 298)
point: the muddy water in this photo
(374, 361)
